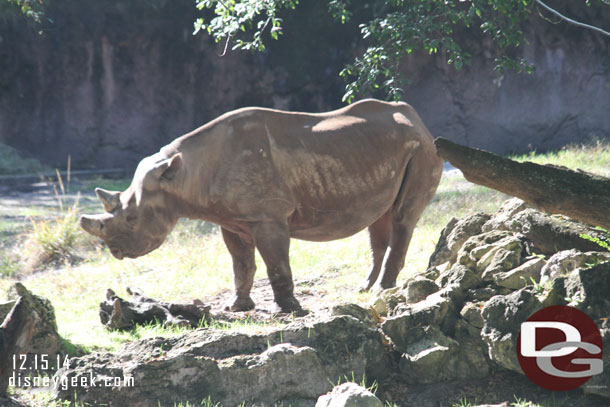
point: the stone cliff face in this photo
(110, 82)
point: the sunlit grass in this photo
(594, 158)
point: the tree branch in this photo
(571, 21)
(579, 195)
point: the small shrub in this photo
(52, 242)
(12, 163)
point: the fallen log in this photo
(15, 335)
(117, 313)
(580, 195)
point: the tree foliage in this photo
(33, 9)
(394, 29)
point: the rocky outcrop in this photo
(459, 320)
(29, 341)
(45, 339)
(296, 363)
(491, 273)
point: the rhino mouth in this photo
(120, 254)
(117, 253)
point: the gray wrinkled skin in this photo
(266, 175)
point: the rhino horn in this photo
(91, 224)
(110, 199)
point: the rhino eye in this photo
(131, 218)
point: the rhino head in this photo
(138, 220)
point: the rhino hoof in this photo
(240, 304)
(288, 305)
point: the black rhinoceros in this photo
(266, 175)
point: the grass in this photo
(194, 263)
(591, 157)
(462, 403)
(519, 402)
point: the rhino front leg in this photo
(272, 240)
(244, 268)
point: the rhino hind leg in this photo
(244, 268)
(421, 179)
(272, 240)
(379, 238)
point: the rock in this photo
(521, 276)
(471, 313)
(349, 395)
(492, 252)
(503, 315)
(453, 237)
(549, 234)
(588, 288)
(367, 316)
(422, 359)
(564, 262)
(461, 276)
(298, 362)
(419, 288)
(16, 331)
(406, 328)
(378, 306)
(45, 339)
(485, 293)
(507, 211)
(117, 313)
(432, 357)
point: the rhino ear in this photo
(166, 170)
(110, 199)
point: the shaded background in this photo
(109, 82)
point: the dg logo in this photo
(560, 348)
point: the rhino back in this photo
(335, 171)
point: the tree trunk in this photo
(582, 196)
(15, 334)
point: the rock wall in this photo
(111, 82)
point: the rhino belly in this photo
(340, 218)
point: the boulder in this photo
(548, 234)
(16, 331)
(471, 313)
(365, 315)
(564, 262)
(503, 315)
(349, 395)
(588, 289)
(296, 363)
(406, 328)
(419, 288)
(423, 357)
(525, 274)
(505, 214)
(492, 252)
(45, 339)
(453, 237)
(459, 275)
